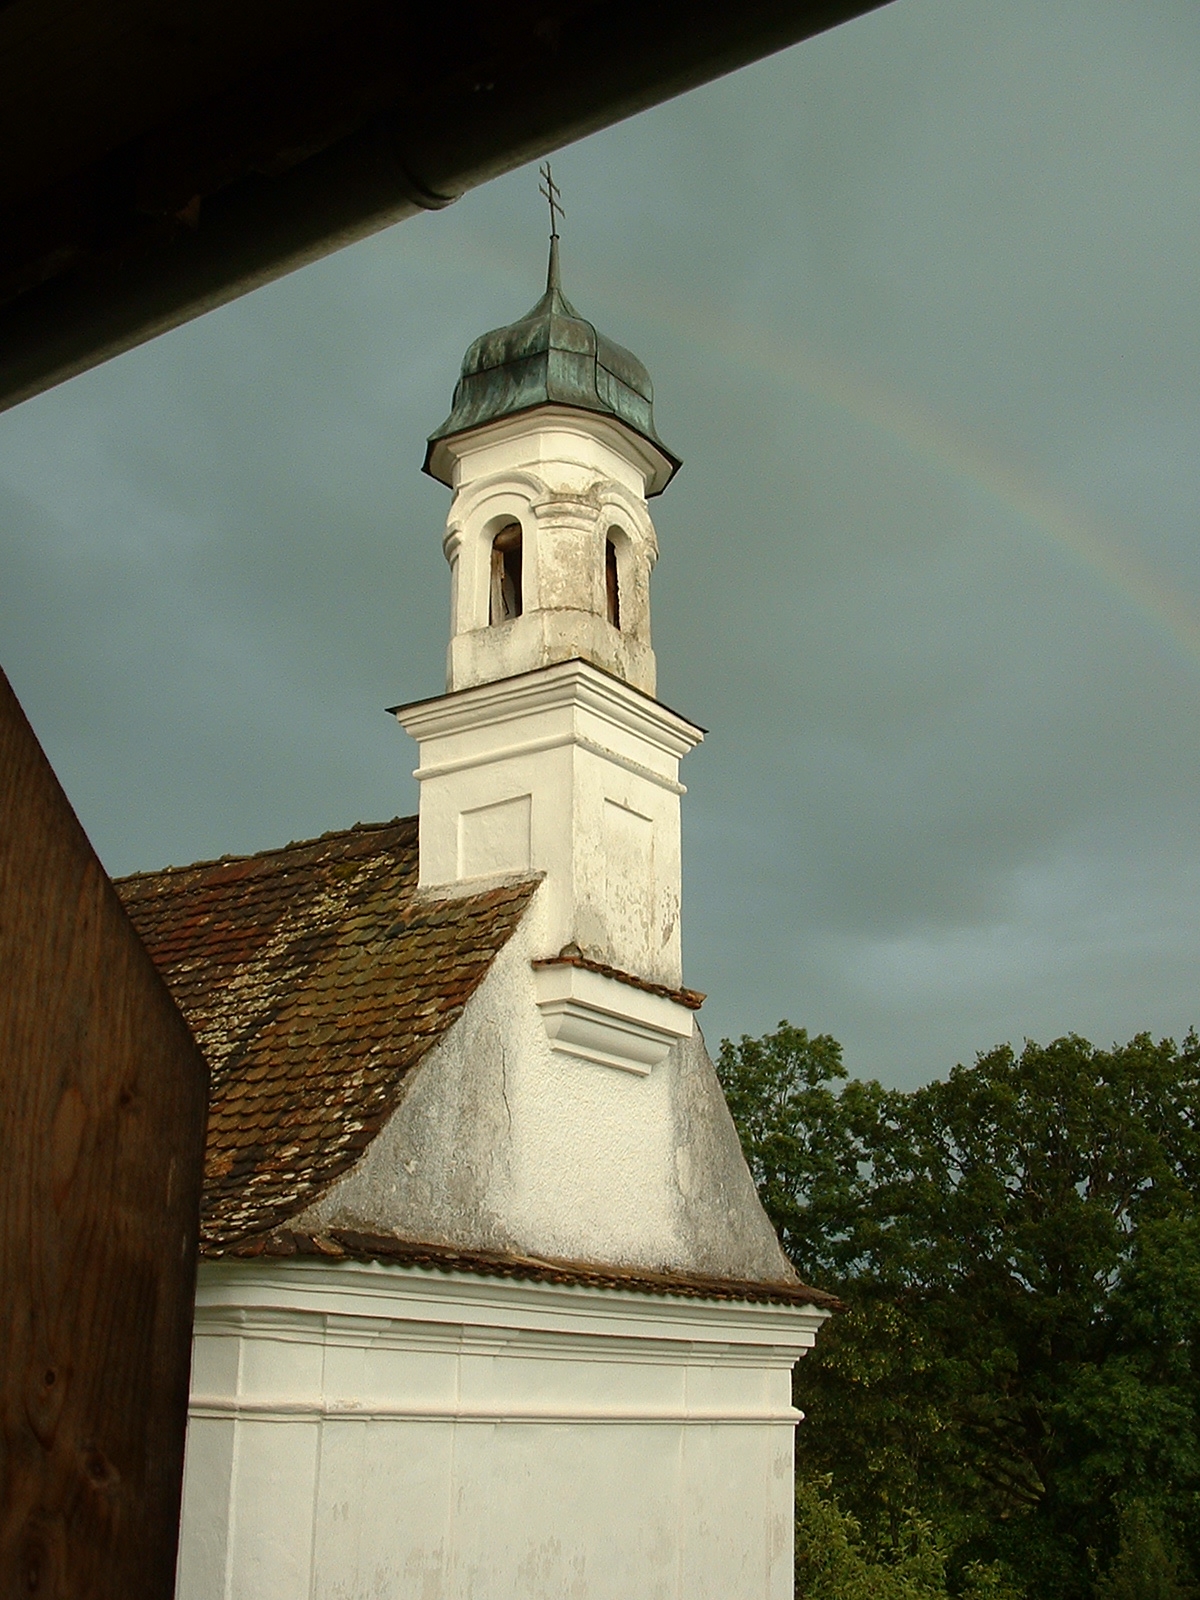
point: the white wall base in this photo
(375, 1431)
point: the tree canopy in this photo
(1018, 1249)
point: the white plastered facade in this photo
(549, 752)
(503, 1143)
(572, 481)
(569, 772)
(380, 1432)
(371, 1431)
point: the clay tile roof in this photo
(314, 978)
(344, 1244)
(571, 956)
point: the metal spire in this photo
(551, 193)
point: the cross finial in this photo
(551, 192)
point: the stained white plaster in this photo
(375, 1431)
(597, 1018)
(595, 763)
(372, 1431)
(570, 479)
(502, 1142)
(549, 753)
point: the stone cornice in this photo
(656, 467)
(574, 683)
(570, 956)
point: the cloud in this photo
(917, 300)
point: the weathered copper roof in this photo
(314, 978)
(551, 356)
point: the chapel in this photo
(487, 1306)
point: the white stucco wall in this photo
(571, 479)
(569, 772)
(503, 1143)
(369, 1432)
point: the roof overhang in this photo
(158, 160)
(657, 464)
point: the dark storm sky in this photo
(920, 302)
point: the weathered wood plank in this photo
(102, 1112)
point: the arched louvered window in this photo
(612, 583)
(506, 599)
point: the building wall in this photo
(503, 1143)
(570, 479)
(570, 772)
(374, 1431)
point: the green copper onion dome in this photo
(552, 356)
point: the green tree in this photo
(835, 1562)
(1018, 1249)
(1146, 1567)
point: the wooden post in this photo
(102, 1113)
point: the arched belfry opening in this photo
(506, 601)
(612, 582)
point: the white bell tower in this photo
(549, 753)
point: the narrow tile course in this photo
(346, 1245)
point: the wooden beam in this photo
(102, 1118)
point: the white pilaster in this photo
(570, 772)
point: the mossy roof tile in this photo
(314, 982)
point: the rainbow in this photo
(1172, 616)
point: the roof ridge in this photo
(271, 850)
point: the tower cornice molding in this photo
(565, 684)
(655, 468)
